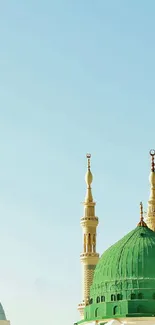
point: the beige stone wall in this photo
(88, 272)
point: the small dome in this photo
(124, 278)
(2, 313)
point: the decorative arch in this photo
(98, 300)
(96, 312)
(91, 301)
(116, 310)
(113, 297)
(89, 243)
(102, 298)
(119, 296)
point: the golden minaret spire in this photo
(89, 257)
(141, 222)
(150, 219)
(88, 179)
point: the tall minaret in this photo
(150, 219)
(89, 257)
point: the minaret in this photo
(89, 257)
(141, 223)
(150, 219)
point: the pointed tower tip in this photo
(88, 179)
(88, 156)
(152, 174)
(141, 222)
(89, 176)
(152, 154)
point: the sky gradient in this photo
(75, 77)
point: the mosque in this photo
(119, 287)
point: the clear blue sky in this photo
(75, 77)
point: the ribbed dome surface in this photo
(132, 257)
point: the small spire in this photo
(141, 211)
(88, 159)
(89, 176)
(152, 154)
(141, 222)
(88, 179)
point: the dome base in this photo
(139, 320)
(125, 321)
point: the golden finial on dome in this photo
(141, 222)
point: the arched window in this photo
(133, 296)
(119, 296)
(140, 295)
(98, 299)
(116, 310)
(96, 312)
(89, 243)
(91, 301)
(113, 298)
(102, 298)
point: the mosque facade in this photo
(119, 286)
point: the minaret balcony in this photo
(89, 256)
(89, 221)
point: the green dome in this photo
(132, 257)
(124, 278)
